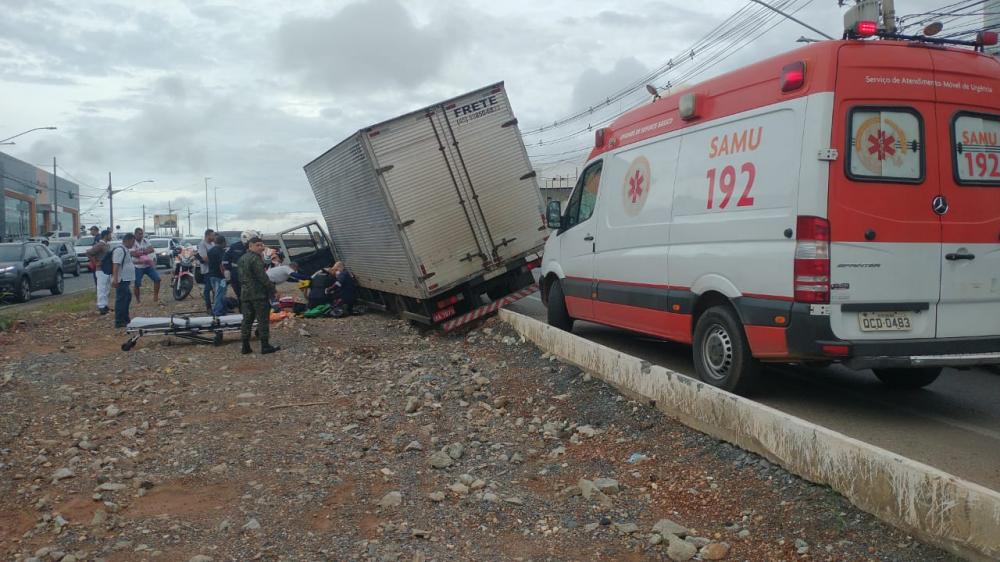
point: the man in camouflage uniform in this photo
(254, 302)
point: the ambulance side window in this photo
(975, 142)
(581, 203)
(885, 144)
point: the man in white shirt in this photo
(145, 265)
(122, 276)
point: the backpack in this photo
(107, 266)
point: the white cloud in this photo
(248, 91)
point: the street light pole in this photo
(6, 140)
(215, 192)
(208, 216)
(111, 199)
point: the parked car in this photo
(67, 253)
(164, 248)
(27, 267)
(82, 245)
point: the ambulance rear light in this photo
(600, 136)
(986, 38)
(838, 350)
(688, 106)
(811, 276)
(793, 76)
(865, 29)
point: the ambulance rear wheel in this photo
(908, 378)
(722, 355)
(558, 316)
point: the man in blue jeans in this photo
(216, 275)
(145, 265)
(122, 276)
(203, 248)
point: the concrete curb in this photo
(959, 516)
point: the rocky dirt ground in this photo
(367, 439)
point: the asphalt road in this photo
(953, 424)
(85, 282)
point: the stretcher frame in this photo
(199, 329)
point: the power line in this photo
(683, 57)
(725, 40)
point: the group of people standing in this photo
(122, 268)
(240, 265)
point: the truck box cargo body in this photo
(838, 203)
(437, 201)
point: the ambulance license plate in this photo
(885, 322)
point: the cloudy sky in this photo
(246, 92)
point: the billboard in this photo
(164, 221)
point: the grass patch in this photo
(6, 321)
(77, 302)
(67, 304)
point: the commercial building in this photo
(33, 202)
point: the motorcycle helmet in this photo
(248, 234)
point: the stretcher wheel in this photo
(127, 346)
(217, 340)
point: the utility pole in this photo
(111, 206)
(889, 16)
(189, 221)
(55, 194)
(144, 218)
(215, 192)
(208, 216)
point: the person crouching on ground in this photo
(216, 275)
(319, 284)
(346, 287)
(256, 288)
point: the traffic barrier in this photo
(937, 507)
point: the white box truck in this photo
(436, 208)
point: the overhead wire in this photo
(732, 37)
(687, 54)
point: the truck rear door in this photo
(485, 144)
(885, 254)
(969, 174)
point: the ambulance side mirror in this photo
(553, 215)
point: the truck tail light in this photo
(811, 280)
(447, 301)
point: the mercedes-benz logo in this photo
(940, 205)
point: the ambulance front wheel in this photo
(722, 355)
(908, 378)
(558, 316)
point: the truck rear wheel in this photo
(722, 355)
(908, 378)
(558, 316)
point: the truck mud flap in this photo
(488, 308)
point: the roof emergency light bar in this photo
(861, 22)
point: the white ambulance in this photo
(838, 203)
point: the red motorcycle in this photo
(183, 279)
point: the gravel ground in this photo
(366, 439)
